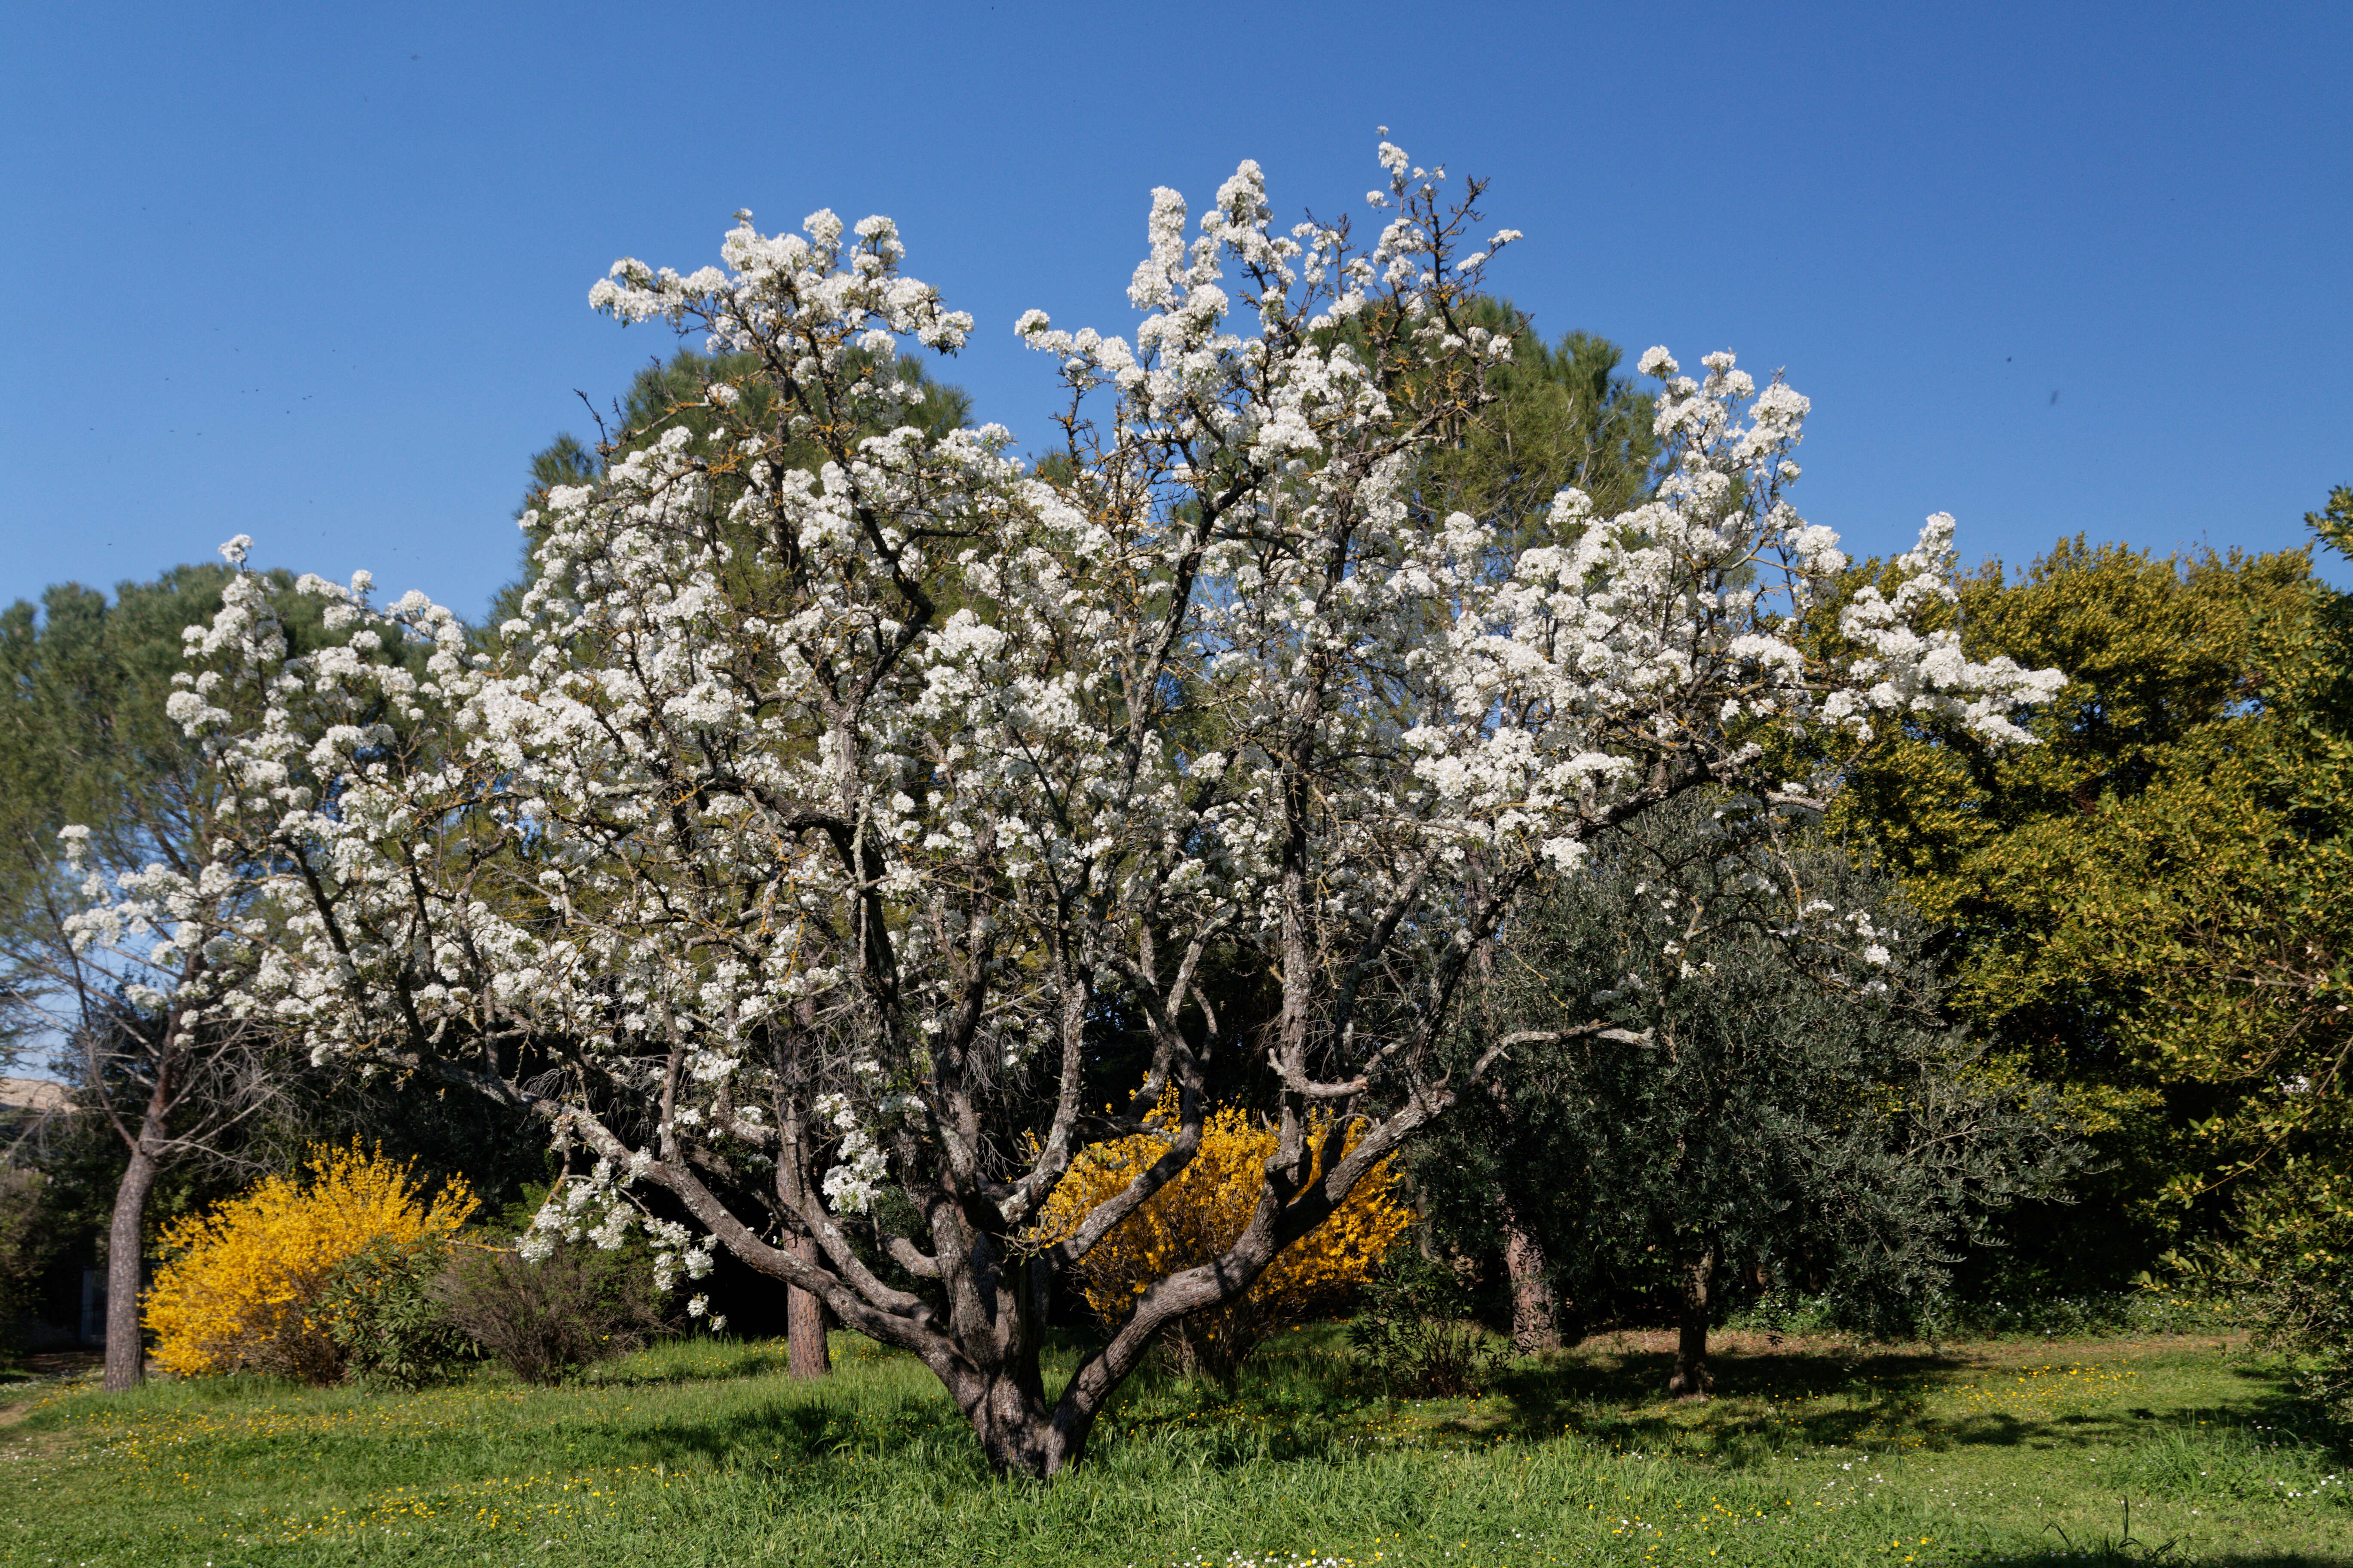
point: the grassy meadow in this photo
(703, 1452)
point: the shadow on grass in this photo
(1302, 1399)
(1637, 1377)
(2108, 1554)
(1764, 1405)
(799, 1437)
(657, 1370)
(1296, 1403)
(1774, 1403)
(49, 1366)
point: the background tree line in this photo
(2114, 977)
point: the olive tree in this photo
(1778, 1089)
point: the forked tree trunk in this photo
(995, 1378)
(1536, 1311)
(1017, 1429)
(126, 1357)
(1691, 1379)
(805, 1348)
(982, 1337)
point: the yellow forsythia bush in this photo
(241, 1292)
(1196, 1216)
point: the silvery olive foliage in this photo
(1775, 1085)
(800, 822)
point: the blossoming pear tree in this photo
(800, 829)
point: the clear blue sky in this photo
(318, 274)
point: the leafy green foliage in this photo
(384, 1309)
(1562, 417)
(1413, 1335)
(546, 1319)
(2150, 908)
(83, 738)
(2303, 1308)
(1776, 1093)
(24, 1249)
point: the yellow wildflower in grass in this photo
(1196, 1216)
(241, 1292)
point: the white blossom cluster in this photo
(807, 812)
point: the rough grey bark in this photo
(1691, 1378)
(985, 1344)
(1367, 989)
(1536, 1308)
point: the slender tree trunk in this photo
(1536, 1311)
(805, 1349)
(126, 1358)
(1691, 1379)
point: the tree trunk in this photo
(126, 1356)
(1691, 1379)
(1536, 1312)
(805, 1350)
(982, 1341)
(1008, 1415)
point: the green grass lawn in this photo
(703, 1452)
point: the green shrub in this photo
(240, 1291)
(2304, 1310)
(24, 1249)
(1412, 1334)
(546, 1319)
(385, 1311)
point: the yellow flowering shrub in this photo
(1196, 1216)
(242, 1291)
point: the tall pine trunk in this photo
(126, 1233)
(1692, 1379)
(126, 1357)
(805, 1350)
